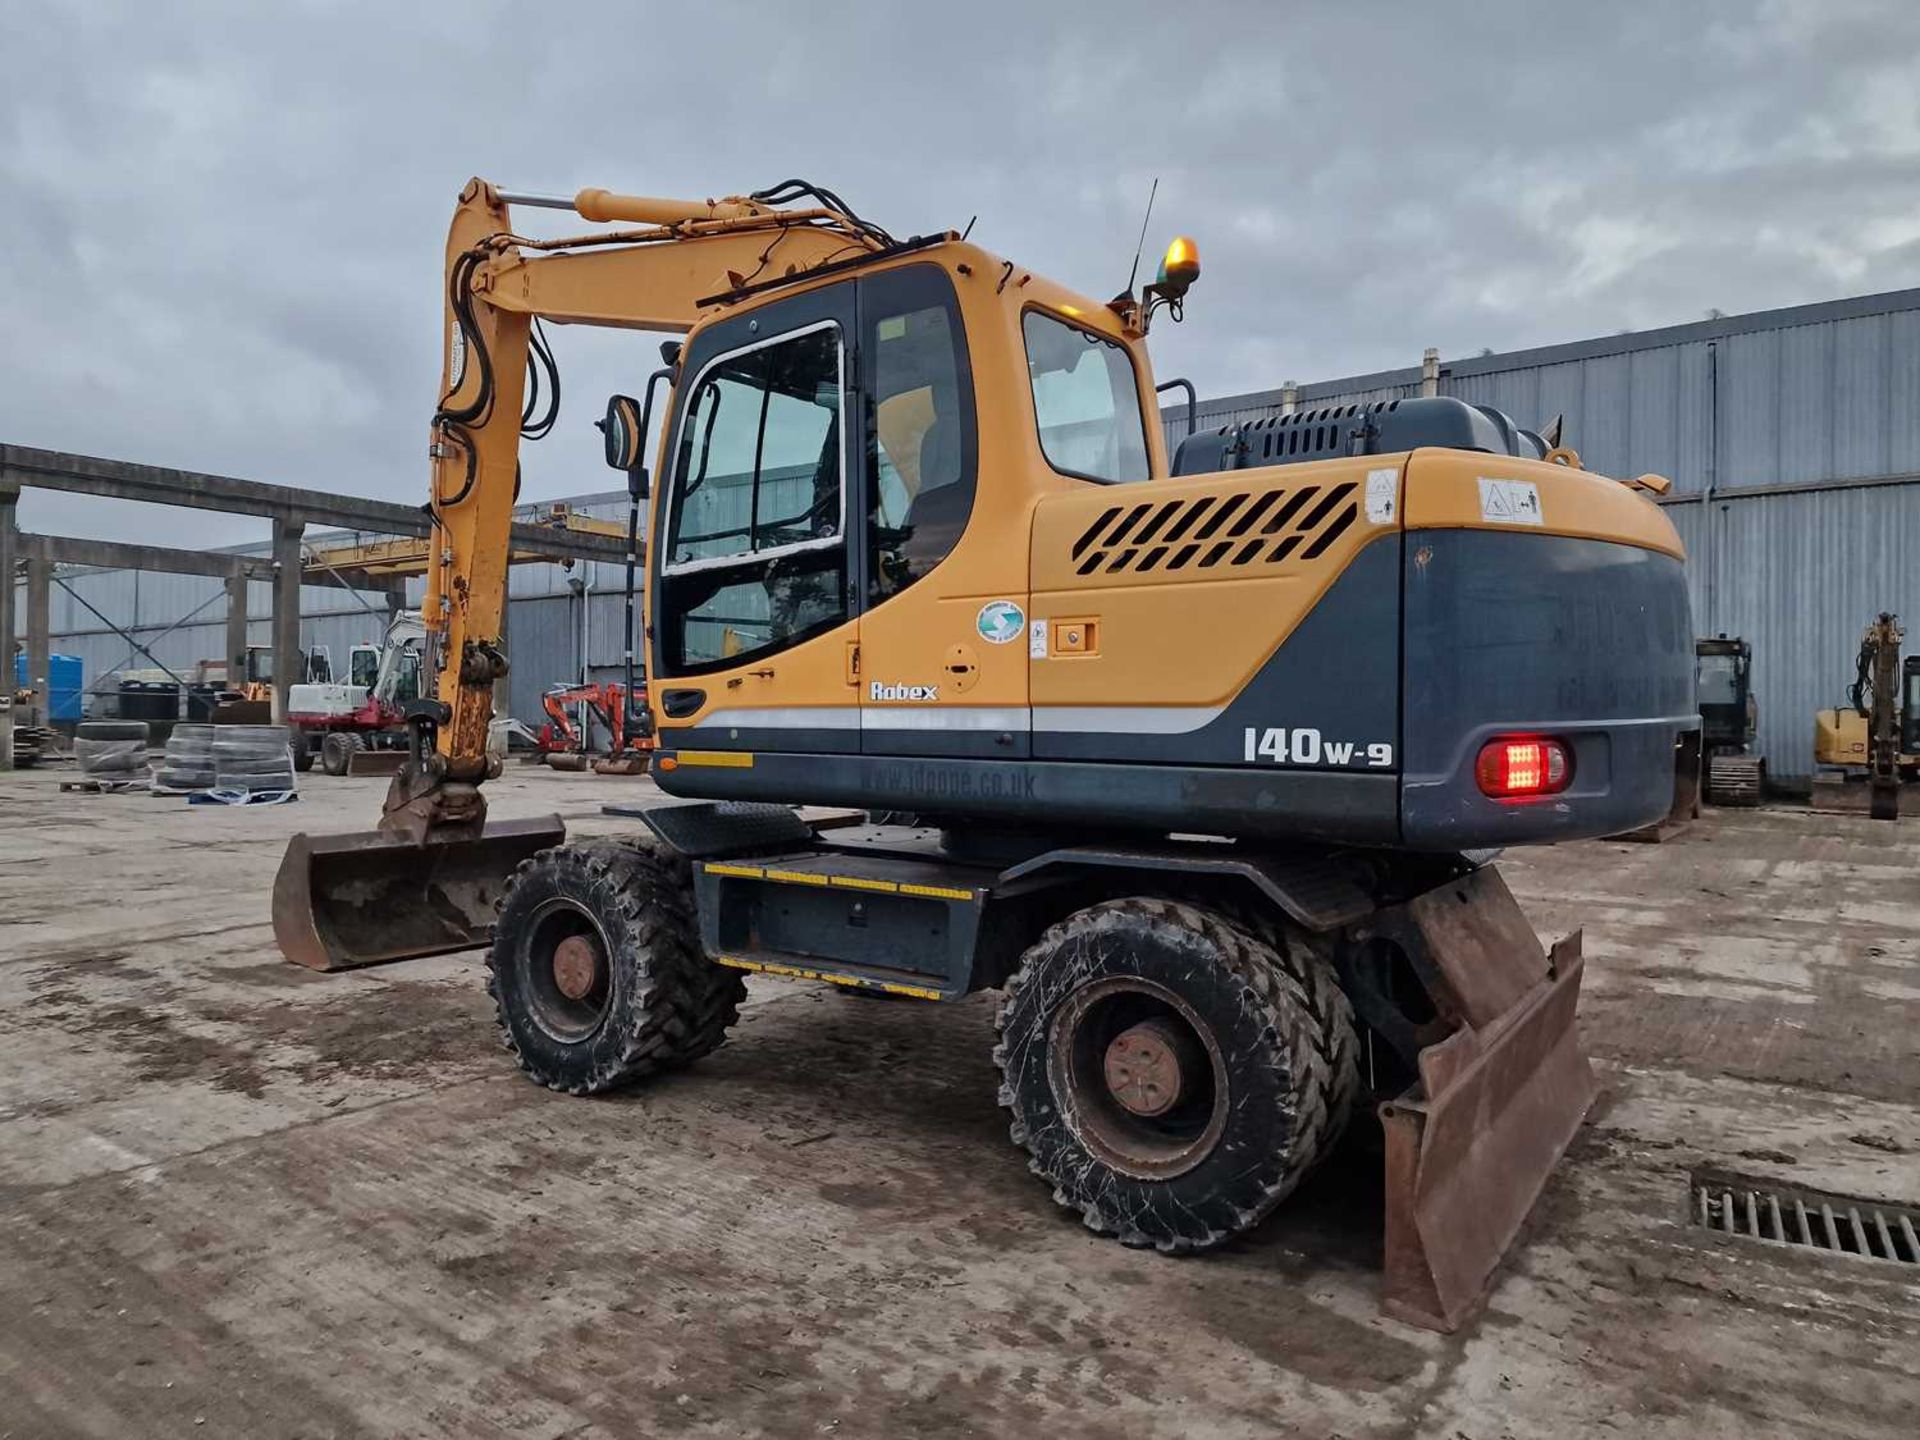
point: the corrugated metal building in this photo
(1792, 438)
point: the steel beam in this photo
(27, 466)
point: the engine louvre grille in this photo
(1245, 528)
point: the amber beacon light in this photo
(1180, 266)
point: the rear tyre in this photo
(597, 973)
(1172, 1075)
(302, 753)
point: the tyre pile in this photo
(253, 758)
(112, 749)
(188, 764)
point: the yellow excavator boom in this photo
(688, 259)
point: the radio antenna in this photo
(1134, 274)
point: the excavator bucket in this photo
(343, 901)
(1470, 1147)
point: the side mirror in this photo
(621, 432)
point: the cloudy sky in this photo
(225, 220)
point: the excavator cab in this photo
(1207, 753)
(363, 665)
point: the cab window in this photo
(920, 427)
(1086, 401)
(1718, 679)
(756, 555)
(760, 452)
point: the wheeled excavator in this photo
(1209, 755)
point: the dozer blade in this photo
(376, 762)
(1469, 1149)
(343, 901)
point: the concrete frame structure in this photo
(291, 510)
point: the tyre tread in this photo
(1301, 999)
(683, 1004)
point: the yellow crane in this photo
(404, 556)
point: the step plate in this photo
(795, 967)
(896, 924)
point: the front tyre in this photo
(597, 973)
(337, 750)
(1173, 1076)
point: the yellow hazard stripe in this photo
(860, 882)
(839, 882)
(801, 972)
(716, 759)
(938, 892)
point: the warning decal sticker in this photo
(1383, 495)
(1510, 502)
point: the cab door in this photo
(943, 640)
(754, 622)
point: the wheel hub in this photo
(576, 966)
(1145, 1067)
(1140, 1075)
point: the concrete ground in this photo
(238, 1198)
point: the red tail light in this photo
(1520, 765)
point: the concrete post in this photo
(1289, 399)
(1430, 372)
(39, 636)
(236, 629)
(9, 498)
(286, 613)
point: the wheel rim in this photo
(1139, 1076)
(569, 978)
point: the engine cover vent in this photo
(1387, 427)
(1251, 527)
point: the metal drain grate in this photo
(1845, 1224)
